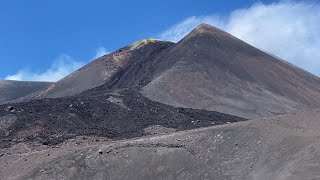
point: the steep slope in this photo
(13, 90)
(283, 147)
(210, 69)
(102, 69)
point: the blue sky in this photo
(45, 39)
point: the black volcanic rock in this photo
(124, 114)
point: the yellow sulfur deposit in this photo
(142, 43)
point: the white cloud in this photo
(61, 67)
(287, 29)
(178, 31)
(101, 51)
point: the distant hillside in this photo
(13, 90)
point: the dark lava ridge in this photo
(120, 115)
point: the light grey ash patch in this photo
(158, 129)
(118, 101)
(5, 123)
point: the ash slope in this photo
(116, 115)
(13, 90)
(102, 69)
(283, 147)
(210, 69)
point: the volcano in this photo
(210, 69)
(147, 109)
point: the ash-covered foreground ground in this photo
(282, 147)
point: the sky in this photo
(45, 40)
